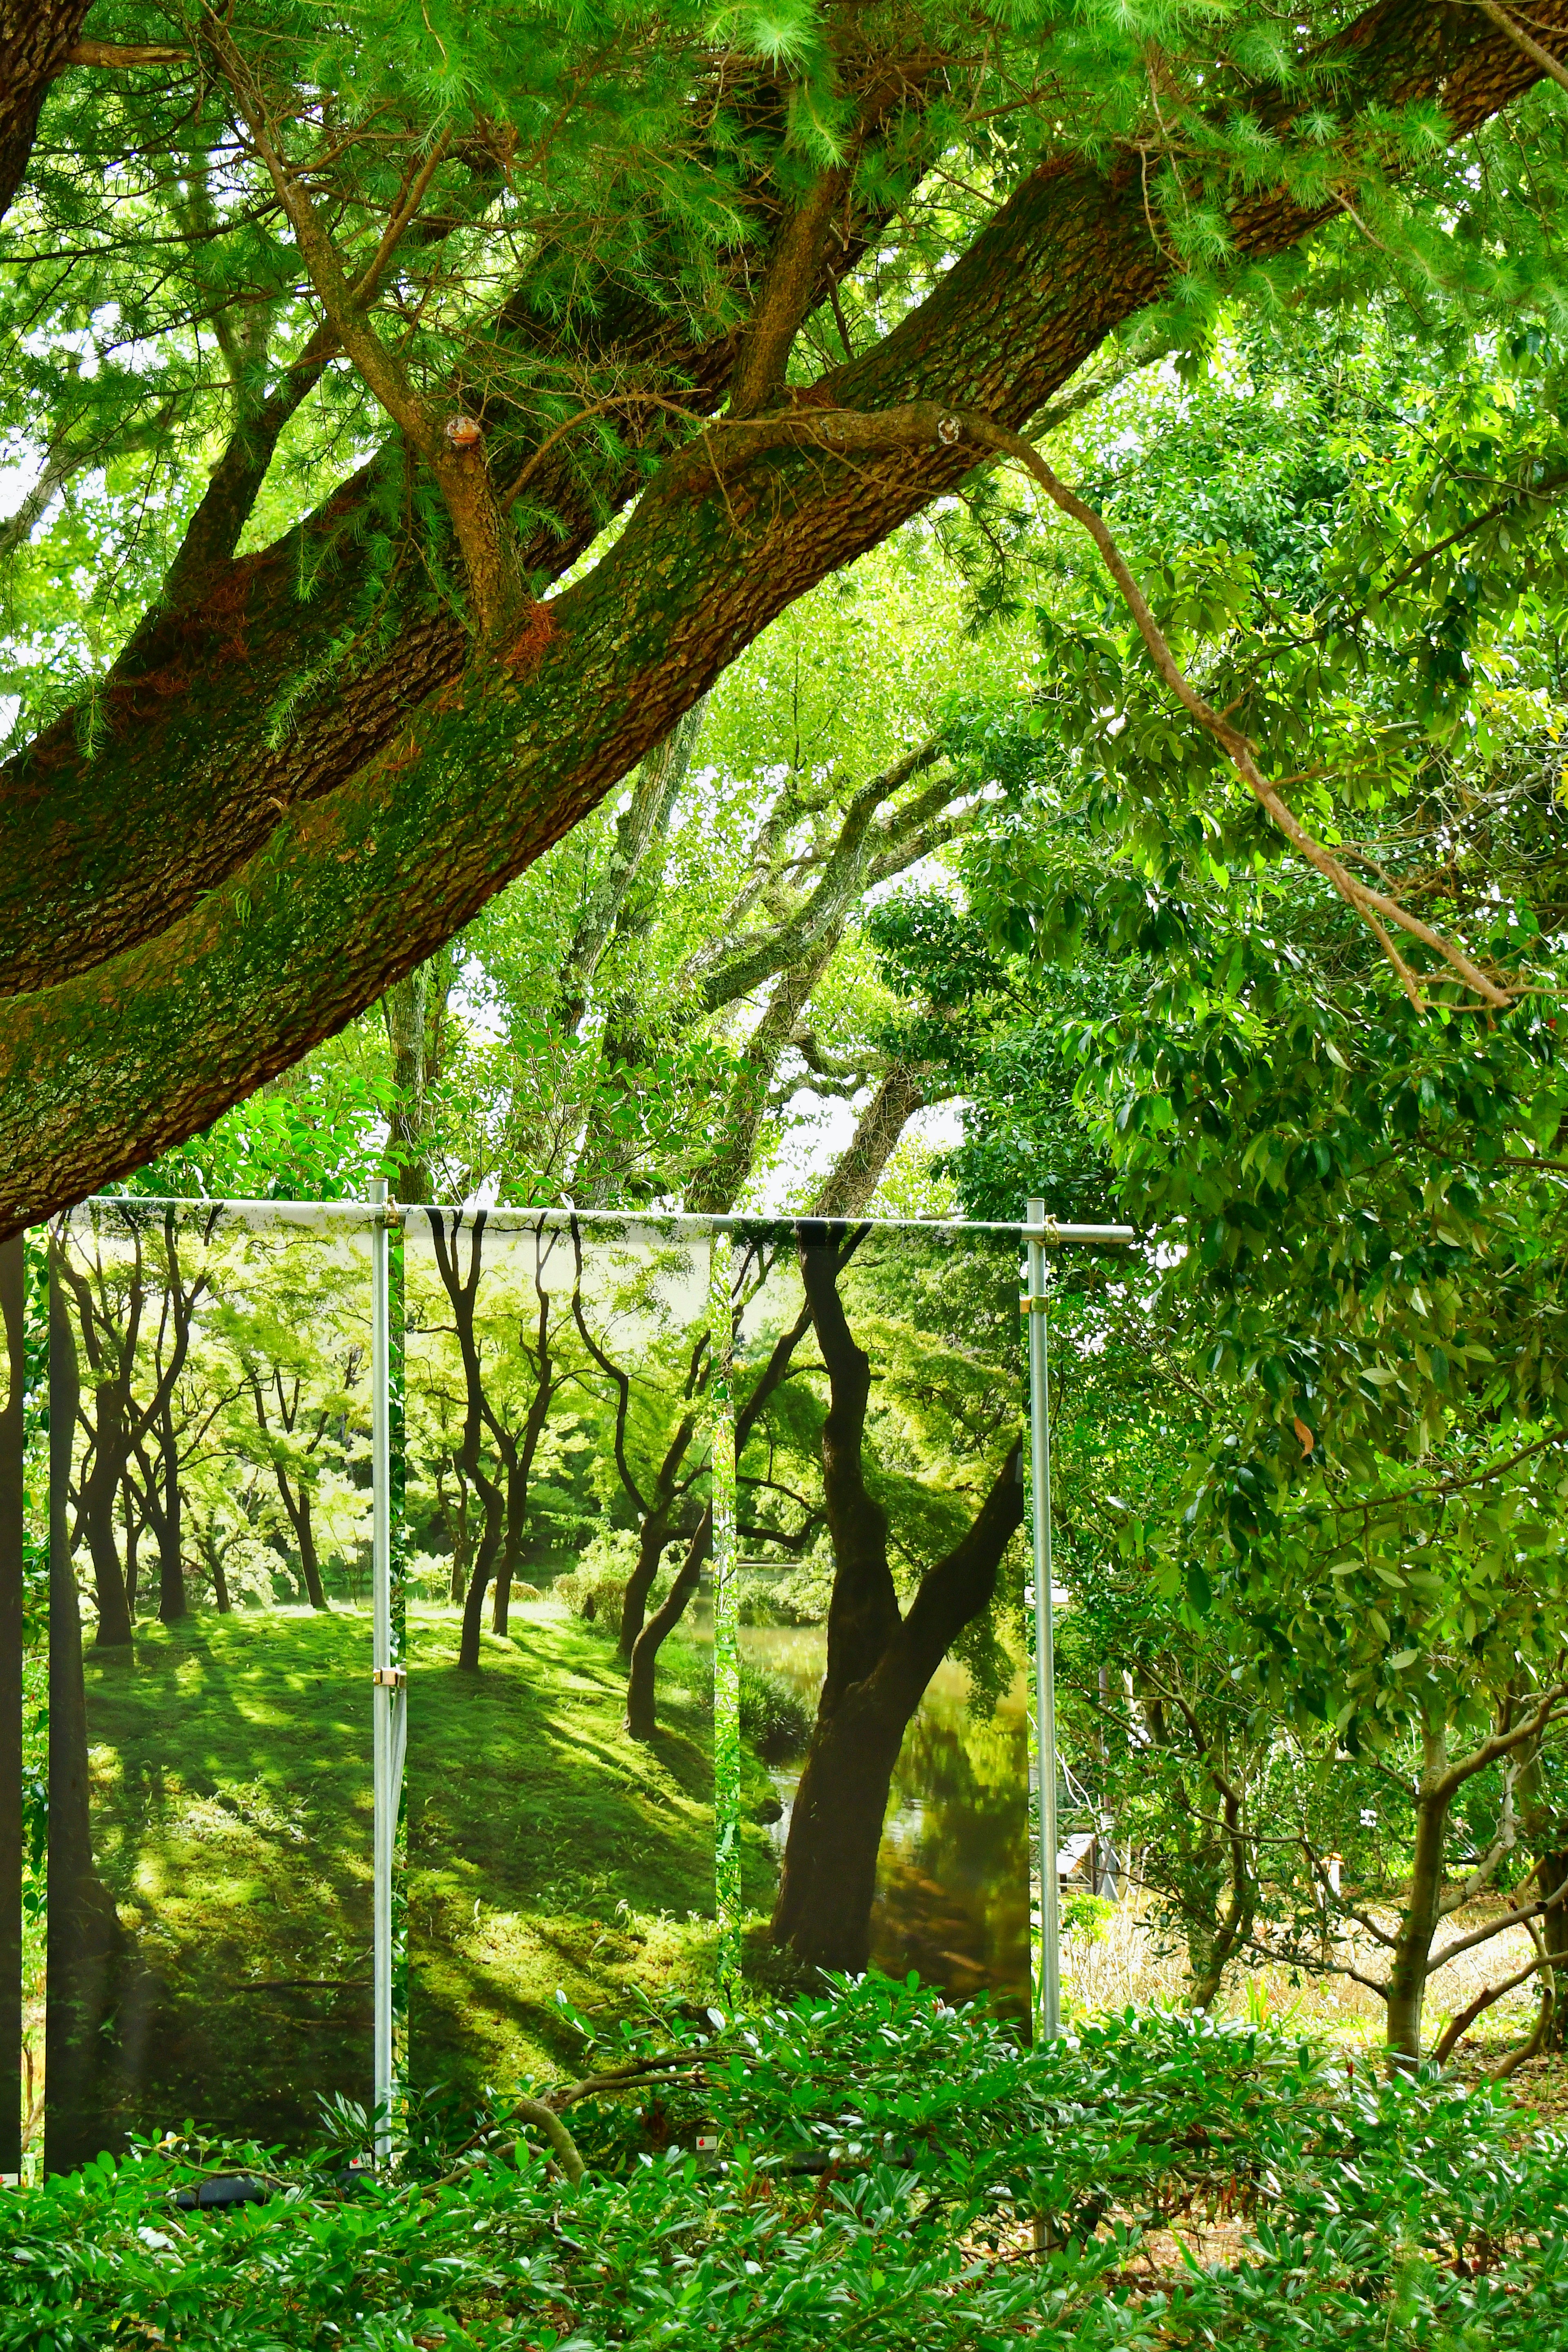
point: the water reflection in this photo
(953, 1871)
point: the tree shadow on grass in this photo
(231, 1809)
(540, 1836)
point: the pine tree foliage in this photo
(424, 406)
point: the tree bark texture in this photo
(197, 904)
(879, 1661)
(1404, 1992)
(35, 36)
(861, 1164)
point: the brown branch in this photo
(110, 54)
(846, 432)
(789, 284)
(1375, 906)
(1461, 2023)
(1502, 1743)
(1516, 1918)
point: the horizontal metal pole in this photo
(498, 1220)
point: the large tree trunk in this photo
(878, 1663)
(87, 1950)
(177, 941)
(35, 36)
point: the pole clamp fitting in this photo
(390, 1677)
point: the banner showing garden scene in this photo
(209, 1883)
(559, 1612)
(880, 1590)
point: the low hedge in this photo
(883, 2171)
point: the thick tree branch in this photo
(787, 291)
(154, 1007)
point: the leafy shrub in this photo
(775, 1718)
(596, 1600)
(596, 1590)
(889, 2172)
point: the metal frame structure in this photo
(389, 1692)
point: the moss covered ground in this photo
(548, 1852)
(231, 1804)
(232, 1810)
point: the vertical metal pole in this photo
(382, 1686)
(1050, 1996)
(726, 1654)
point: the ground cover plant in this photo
(865, 2165)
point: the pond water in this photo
(953, 1876)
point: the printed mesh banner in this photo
(559, 1797)
(209, 1879)
(709, 1573)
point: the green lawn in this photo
(231, 1791)
(546, 1849)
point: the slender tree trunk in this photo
(640, 1717)
(100, 1494)
(297, 1506)
(1406, 1991)
(220, 1576)
(479, 1583)
(133, 1544)
(86, 1944)
(1233, 1929)
(171, 1530)
(652, 1538)
(462, 1290)
(655, 1531)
